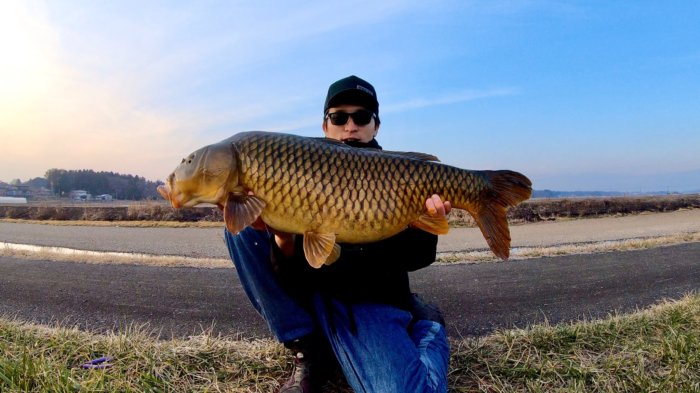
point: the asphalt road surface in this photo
(476, 299)
(208, 242)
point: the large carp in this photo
(331, 192)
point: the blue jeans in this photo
(376, 345)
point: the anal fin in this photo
(320, 249)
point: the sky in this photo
(577, 95)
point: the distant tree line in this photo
(131, 187)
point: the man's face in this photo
(350, 131)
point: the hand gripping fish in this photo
(333, 193)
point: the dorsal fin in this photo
(405, 154)
(413, 155)
(330, 141)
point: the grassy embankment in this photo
(656, 350)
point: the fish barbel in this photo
(333, 193)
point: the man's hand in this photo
(436, 207)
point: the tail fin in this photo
(507, 188)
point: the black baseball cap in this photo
(352, 91)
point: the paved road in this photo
(475, 298)
(208, 242)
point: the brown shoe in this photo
(301, 380)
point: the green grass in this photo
(656, 350)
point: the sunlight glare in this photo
(26, 45)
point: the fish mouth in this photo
(167, 193)
(164, 192)
(345, 140)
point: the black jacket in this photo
(373, 272)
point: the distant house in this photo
(79, 195)
(41, 193)
(11, 190)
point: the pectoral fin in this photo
(241, 211)
(320, 249)
(433, 224)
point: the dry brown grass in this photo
(152, 211)
(655, 350)
(533, 210)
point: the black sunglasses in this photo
(360, 117)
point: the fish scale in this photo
(332, 192)
(359, 202)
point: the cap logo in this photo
(366, 90)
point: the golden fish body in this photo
(331, 192)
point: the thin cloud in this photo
(447, 99)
